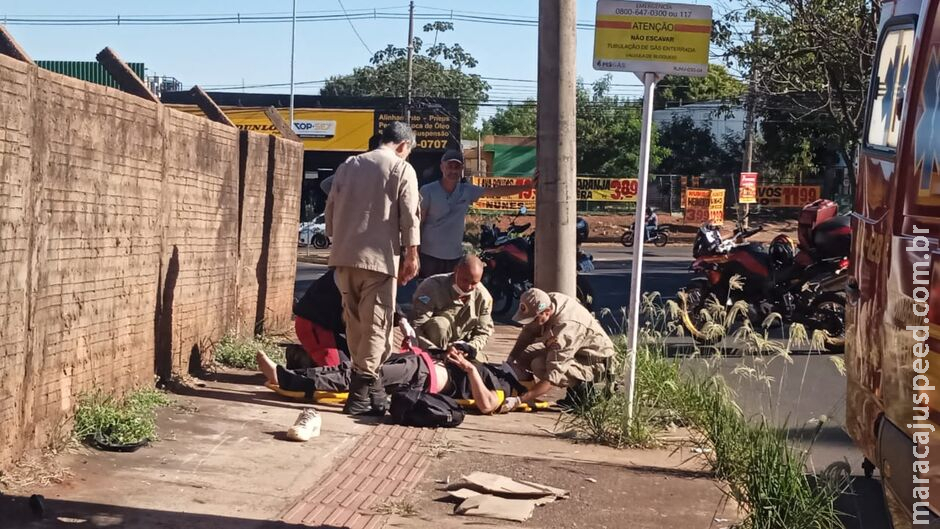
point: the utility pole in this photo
(748, 159)
(555, 249)
(411, 50)
(293, 27)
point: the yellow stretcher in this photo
(336, 398)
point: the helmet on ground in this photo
(782, 250)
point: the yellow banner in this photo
(787, 196)
(589, 189)
(652, 37)
(351, 129)
(704, 205)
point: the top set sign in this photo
(652, 37)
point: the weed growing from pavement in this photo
(239, 352)
(762, 469)
(115, 421)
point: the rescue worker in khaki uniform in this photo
(372, 217)
(561, 345)
(454, 311)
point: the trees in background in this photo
(812, 61)
(438, 70)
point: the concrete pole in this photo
(293, 27)
(556, 200)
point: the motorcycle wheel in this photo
(662, 238)
(690, 313)
(627, 238)
(502, 293)
(585, 292)
(827, 313)
(320, 241)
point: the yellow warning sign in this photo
(652, 37)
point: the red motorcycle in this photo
(803, 283)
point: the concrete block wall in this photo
(132, 237)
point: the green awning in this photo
(512, 160)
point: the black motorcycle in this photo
(510, 267)
(804, 288)
(660, 237)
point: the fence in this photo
(132, 237)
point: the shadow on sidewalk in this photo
(16, 512)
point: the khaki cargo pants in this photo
(534, 361)
(369, 311)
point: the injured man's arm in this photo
(486, 399)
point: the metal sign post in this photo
(639, 233)
(650, 40)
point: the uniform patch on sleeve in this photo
(424, 299)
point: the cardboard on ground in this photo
(652, 37)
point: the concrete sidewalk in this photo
(223, 462)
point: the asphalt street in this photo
(796, 395)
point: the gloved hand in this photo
(407, 330)
(509, 404)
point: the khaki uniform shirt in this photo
(373, 212)
(571, 336)
(472, 321)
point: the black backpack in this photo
(414, 407)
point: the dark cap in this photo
(453, 156)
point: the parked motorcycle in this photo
(660, 237)
(510, 267)
(805, 287)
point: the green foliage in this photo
(437, 71)
(239, 352)
(762, 472)
(609, 133)
(694, 151)
(109, 420)
(513, 120)
(812, 63)
(718, 85)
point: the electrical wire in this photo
(353, 26)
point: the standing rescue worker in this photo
(372, 218)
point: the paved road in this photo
(806, 389)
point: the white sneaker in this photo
(306, 427)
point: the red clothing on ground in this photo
(318, 342)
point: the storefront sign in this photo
(747, 189)
(705, 205)
(435, 131)
(787, 196)
(314, 128)
(647, 37)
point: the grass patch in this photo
(762, 471)
(114, 421)
(239, 352)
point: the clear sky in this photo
(229, 55)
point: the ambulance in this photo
(893, 294)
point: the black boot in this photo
(577, 397)
(358, 401)
(378, 398)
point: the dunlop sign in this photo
(652, 37)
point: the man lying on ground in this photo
(561, 345)
(454, 311)
(454, 376)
